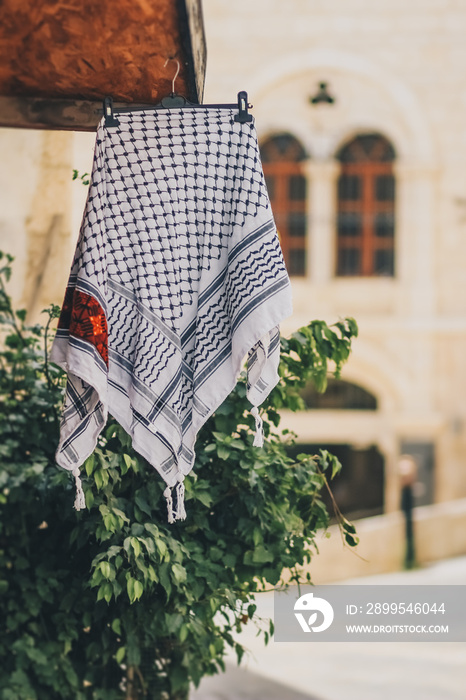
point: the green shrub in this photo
(114, 602)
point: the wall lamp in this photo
(322, 96)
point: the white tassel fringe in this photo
(180, 509)
(178, 513)
(168, 497)
(259, 436)
(79, 501)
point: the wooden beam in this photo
(60, 58)
(43, 113)
(194, 45)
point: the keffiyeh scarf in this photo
(177, 277)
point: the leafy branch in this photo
(120, 600)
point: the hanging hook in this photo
(173, 100)
(178, 67)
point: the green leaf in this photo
(89, 464)
(262, 555)
(134, 589)
(179, 573)
(351, 540)
(105, 592)
(223, 451)
(99, 480)
(204, 497)
(120, 655)
(136, 546)
(116, 626)
(349, 527)
(107, 569)
(138, 590)
(143, 504)
(162, 547)
(239, 652)
(229, 560)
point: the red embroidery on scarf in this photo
(84, 318)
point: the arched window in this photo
(359, 488)
(339, 395)
(282, 162)
(366, 208)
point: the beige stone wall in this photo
(439, 533)
(397, 68)
(40, 210)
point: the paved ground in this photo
(349, 671)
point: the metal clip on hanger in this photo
(108, 113)
(243, 115)
(174, 101)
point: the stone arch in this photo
(373, 369)
(347, 141)
(340, 395)
(414, 140)
(267, 139)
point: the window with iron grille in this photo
(282, 161)
(366, 208)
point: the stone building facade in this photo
(396, 71)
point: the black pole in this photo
(407, 506)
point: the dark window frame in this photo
(365, 247)
(282, 162)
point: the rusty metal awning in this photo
(60, 58)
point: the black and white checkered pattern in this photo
(179, 247)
